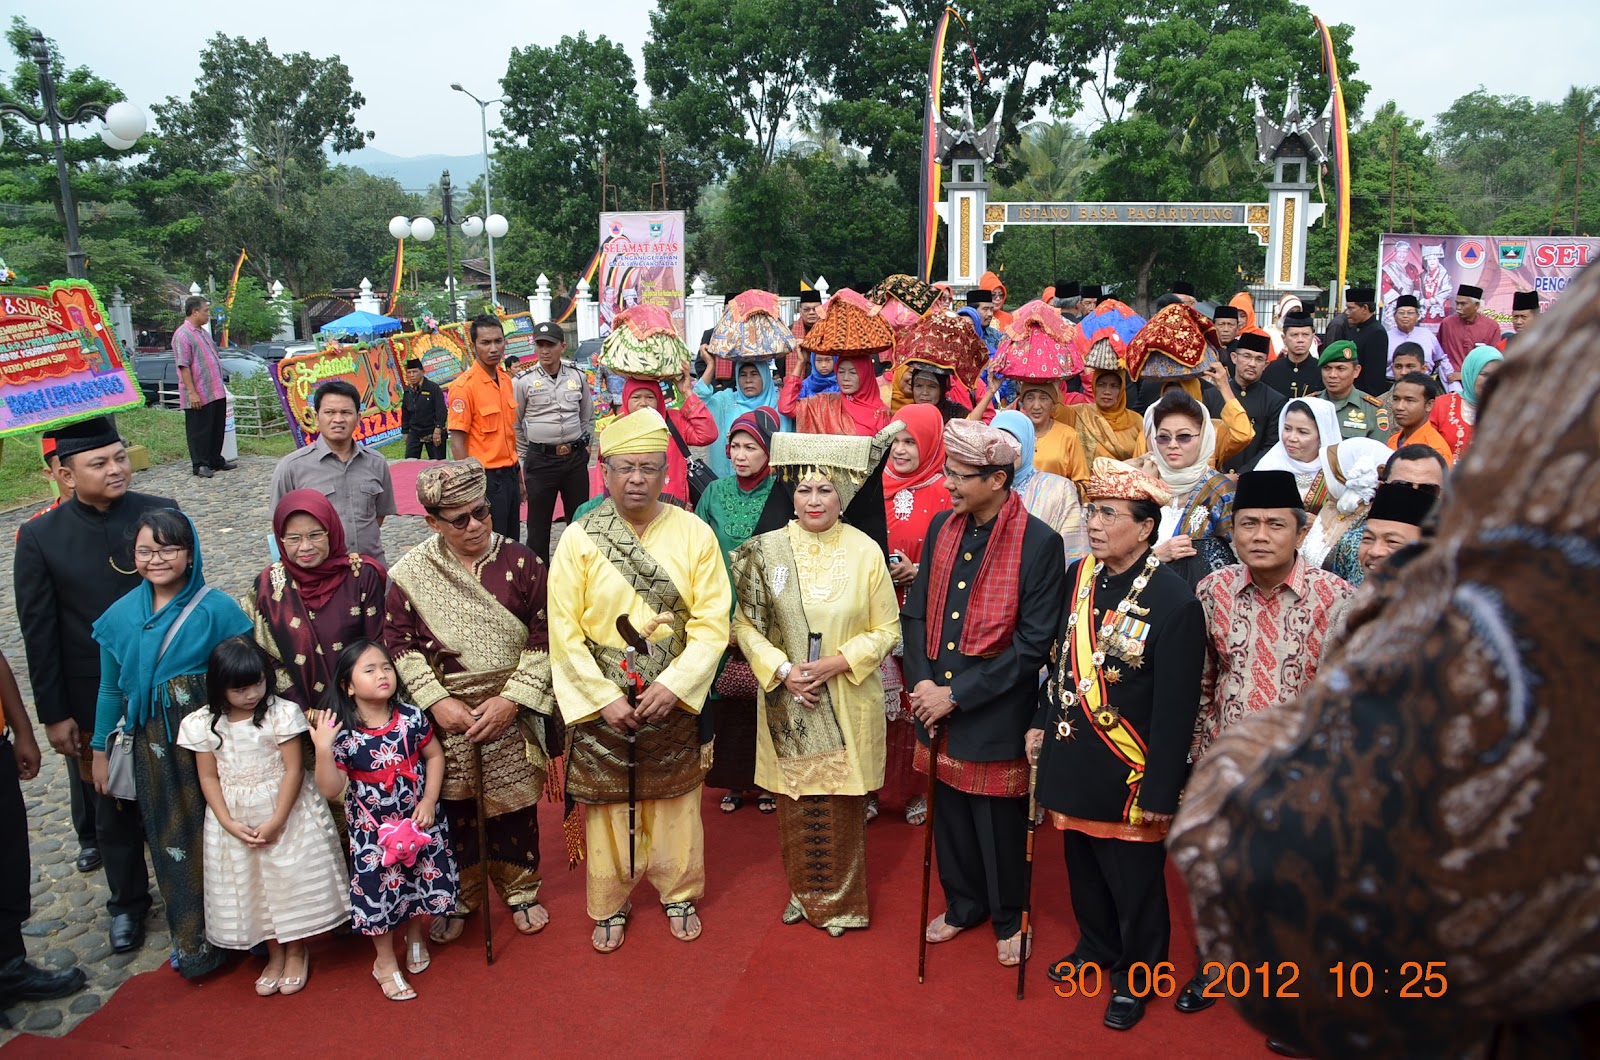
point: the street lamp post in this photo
(124, 124)
(494, 224)
(422, 229)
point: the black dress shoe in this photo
(228, 465)
(21, 981)
(127, 932)
(88, 859)
(1077, 963)
(1124, 1012)
(1192, 997)
(1285, 1049)
(204, 472)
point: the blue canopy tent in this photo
(361, 324)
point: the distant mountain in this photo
(418, 173)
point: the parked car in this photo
(155, 371)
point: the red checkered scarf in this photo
(996, 592)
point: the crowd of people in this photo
(984, 568)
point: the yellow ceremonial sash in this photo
(1118, 735)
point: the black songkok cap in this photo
(1525, 300)
(1092, 290)
(810, 296)
(414, 363)
(1407, 301)
(1067, 291)
(1467, 290)
(1394, 502)
(1183, 287)
(1267, 489)
(978, 296)
(94, 433)
(1360, 294)
(1298, 320)
(1227, 312)
(1254, 340)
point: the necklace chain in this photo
(1108, 715)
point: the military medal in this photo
(1107, 716)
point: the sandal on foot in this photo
(525, 910)
(1010, 950)
(394, 986)
(266, 986)
(940, 930)
(731, 802)
(917, 812)
(446, 929)
(681, 912)
(417, 958)
(616, 922)
(793, 913)
(872, 808)
(767, 804)
(293, 984)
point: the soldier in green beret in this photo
(1360, 414)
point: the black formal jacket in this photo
(1294, 380)
(1372, 351)
(1263, 405)
(1158, 700)
(995, 697)
(64, 581)
(422, 409)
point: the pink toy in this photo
(401, 840)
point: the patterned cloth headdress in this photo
(1039, 344)
(637, 432)
(1113, 480)
(644, 344)
(1108, 314)
(946, 340)
(979, 445)
(850, 327)
(917, 296)
(452, 484)
(1106, 351)
(1176, 343)
(845, 460)
(750, 330)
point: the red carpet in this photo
(404, 473)
(750, 986)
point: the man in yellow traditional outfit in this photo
(634, 557)
(817, 614)
(466, 626)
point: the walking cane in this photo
(1027, 875)
(935, 746)
(483, 850)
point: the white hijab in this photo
(1181, 480)
(1278, 459)
(1352, 471)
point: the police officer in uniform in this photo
(1360, 414)
(555, 417)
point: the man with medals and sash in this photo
(1111, 737)
(816, 616)
(466, 626)
(978, 623)
(637, 572)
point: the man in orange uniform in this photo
(483, 421)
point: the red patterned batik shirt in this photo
(1262, 648)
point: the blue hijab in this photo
(726, 406)
(816, 382)
(132, 630)
(1019, 427)
(1472, 368)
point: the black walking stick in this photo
(935, 745)
(1027, 875)
(483, 850)
(634, 684)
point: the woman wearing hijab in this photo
(816, 617)
(1454, 415)
(1305, 427)
(855, 408)
(1195, 535)
(1057, 449)
(1107, 427)
(1051, 498)
(732, 506)
(319, 597)
(753, 389)
(154, 643)
(1351, 473)
(690, 425)
(913, 493)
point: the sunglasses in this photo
(479, 514)
(1425, 487)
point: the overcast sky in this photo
(396, 50)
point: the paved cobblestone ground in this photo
(69, 923)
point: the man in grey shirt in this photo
(354, 478)
(555, 414)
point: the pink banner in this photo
(1433, 267)
(641, 260)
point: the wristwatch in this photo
(953, 704)
(783, 671)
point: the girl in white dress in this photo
(274, 872)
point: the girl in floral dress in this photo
(396, 769)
